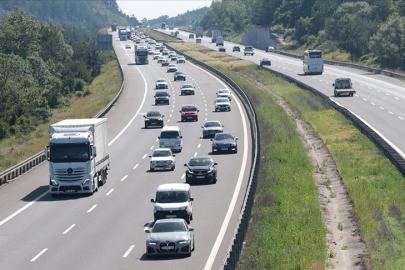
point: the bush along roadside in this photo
(373, 184)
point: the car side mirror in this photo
(181, 137)
(163, 115)
(215, 163)
(179, 111)
(159, 137)
(152, 200)
(147, 230)
(212, 140)
(185, 164)
(236, 138)
(333, 84)
(150, 156)
(174, 155)
(191, 229)
(198, 110)
(144, 116)
(191, 199)
(202, 127)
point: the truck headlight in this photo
(53, 182)
(85, 181)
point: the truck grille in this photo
(70, 174)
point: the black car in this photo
(191, 36)
(222, 49)
(224, 141)
(179, 75)
(236, 49)
(265, 62)
(201, 168)
(162, 97)
(153, 119)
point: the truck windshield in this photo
(69, 152)
(142, 53)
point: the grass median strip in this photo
(286, 231)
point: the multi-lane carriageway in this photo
(379, 101)
(106, 230)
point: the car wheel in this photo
(174, 167)
(191, 218)
(193, 244)
(146, 126)
(236, 149)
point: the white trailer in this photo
(78, 156)
(215, 34)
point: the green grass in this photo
(374, 185)
(102, 90)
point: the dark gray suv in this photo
(201, 168)
(162, 97)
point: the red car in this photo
(189, 113)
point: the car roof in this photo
(174, 187)
(169, 220)
(162, 149)
(199, 157)
(171, 128)
(188, 105)
(226, 133)
(212, 121)
(153, 111)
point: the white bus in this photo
(313, 62)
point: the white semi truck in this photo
(78, 156)
(215, 34)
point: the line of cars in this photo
(171, 233)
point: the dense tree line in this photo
(372, 29)
(41, 66)
(188, 18)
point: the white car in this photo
(187, 89)
(224, 93)
(173, 201)
(156, 55)
(222, 104)
(160, 59)
(171, 68)
(162, 158)
(161, 83)
(181, 59)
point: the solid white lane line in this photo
(136, 166)
(68, 229)
(92, 208)
(195, 154)
(109, 192)
(144, 156)
(128, 251)
(125, 177)
(23, 208)
(184, 175)
(39, 254)
(199, 145)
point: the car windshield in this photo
(165, 227)
(161, 94)
(188, 109)
(179, 73)
(223, 136)
(171, 65)
(187, 86)
(265, 59)
(171, 197)
(162, 153)
(200, 162)
(169, 135)
(161, 58)
(219, 100)
(161, 80)
(152, 113)
(223, 91)
(212, 124)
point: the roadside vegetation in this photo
(286, 230)
(370, 32)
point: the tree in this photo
(388, 43)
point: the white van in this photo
(170, 137)
(173, 201)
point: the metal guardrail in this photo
(235, 247)
(351, 65)
(39, 157)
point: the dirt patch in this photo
(346, 249)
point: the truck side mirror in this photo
(46, 152)
(94, 150)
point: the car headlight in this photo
(214, 145)
(184, 241)
(152, 243)
(147, 119)
(157, 208)
(183, 208)
(53, 182)
(86, 181)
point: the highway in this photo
(379, 101)
(106, 230)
